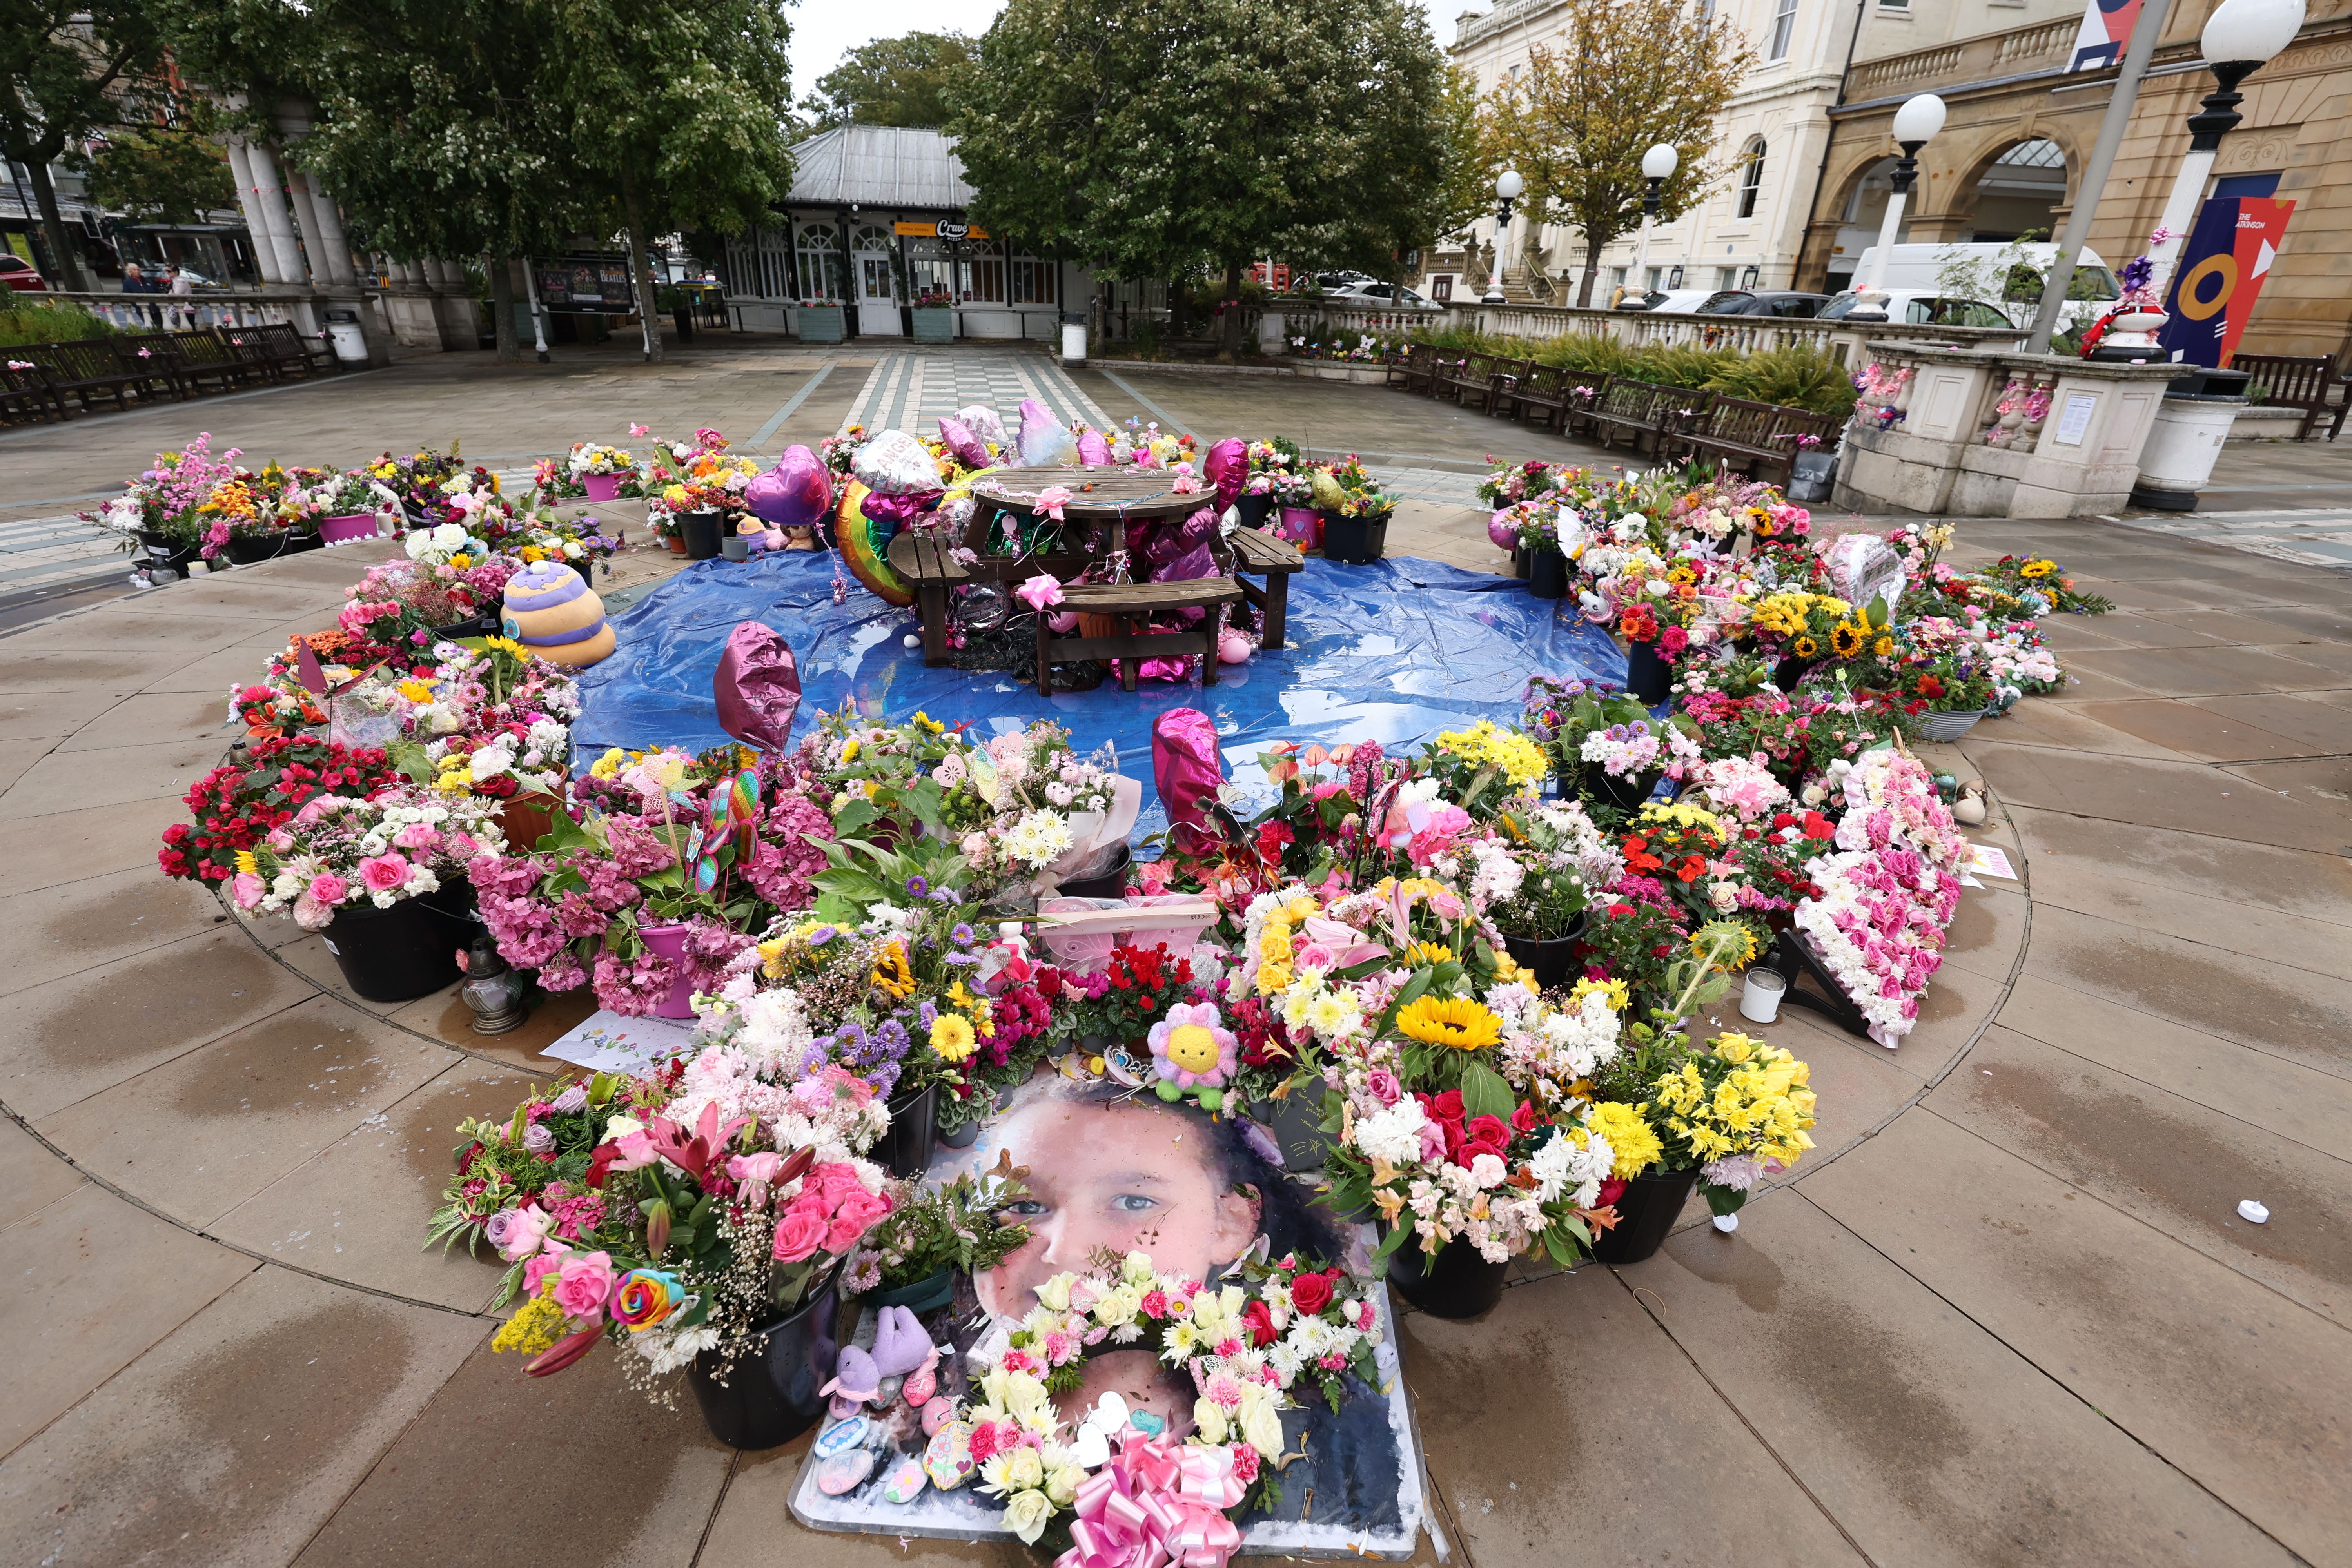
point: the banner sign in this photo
(946, 229)
(588, 284)
(2228, 254)
(2106, 28)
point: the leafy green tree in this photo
(1631, 75)
(1156, 137)
(161, 173)
(891, 81)
(63, 67)
(676, 109)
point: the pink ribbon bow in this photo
(1052, 500)
(1158, 1501)
(1040, 591)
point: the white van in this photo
(2008, 273)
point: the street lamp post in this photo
(1657, 167)
(1507, 186)
(2239, 38)
(1916, 124)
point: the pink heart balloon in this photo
(796, 493)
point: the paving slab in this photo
(76, 781)
(1987, 931)
(2312, 943)
(2259, 876)
(1567, 1402)
(32, 1177)
(2324, 784)
(2196, 732)
(79, 925)
(87, 1031)
(151, 632)
(1930, 1440)
(93, 1282)
(234, 1441)
(154, 718)
(2246, 1393)
(638, 1483)
(2074, 726)
(2290, 1013)
(206, 1131)
(72, 845)
(2256, 1087)
(2209, 671)
(2153, 795)
(2181, 1168)
(358, 1210)
(26, 670)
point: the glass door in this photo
(877, 283)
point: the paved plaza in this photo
(2005, 1313)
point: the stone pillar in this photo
(269, 201)
(323, 226)
(248, 202)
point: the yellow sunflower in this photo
(1429, 953)
(1804, 647)
(891, 970)
(1465, 1025)
(1884, 647)
(2037, 569)
(1847, 640)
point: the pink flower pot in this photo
(601, 487)
(670, 943)
(351, 526)
(1302, 526)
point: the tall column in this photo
(265, 254)
(271, 201)
(323, 229)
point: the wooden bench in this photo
(1639, 408)
(1503, 379)
(1752, 437)
(1547, 390)
(1129, 605)
(1412, 369)
(86, 367)
(295, 351)
(925, 557)
(28, 390)
(148, 357)
(2292, 380)
(1456, 377)
(204, 355)
(1260, 554)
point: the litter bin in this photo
(1074, 337)
(343, 332)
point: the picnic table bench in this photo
(1261, 554)
(1091, 531)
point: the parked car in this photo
(22, 275)
(1380, 295)
(2009, 272)
(1923, 309)
(1783, 303)
(1668, 303)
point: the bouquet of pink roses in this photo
(340, 851)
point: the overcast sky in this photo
(822, 34)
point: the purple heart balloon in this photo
(757, 687)
(795, 493)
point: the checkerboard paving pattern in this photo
(2307, 538)
(909, 391)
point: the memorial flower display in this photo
(341, 850)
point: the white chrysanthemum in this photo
(1394, 1134)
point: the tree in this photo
(676, 109)
(891, 81)
(62, 65)
(161, 173)
(1419, 170)
(1632, 74)
(1156, 137)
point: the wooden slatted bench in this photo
(1639, 408)
(1504, 377)
(926, 559)
(1543, 390)
(1130, 604)
(148, 357)
(1456, 377)
(2294, 381)
(1752, 437)
(86, 367)
(1410, 368)
(204, 355)
(1260, 554)
(282, 348)
(28, 390)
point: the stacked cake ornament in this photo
(551, 611)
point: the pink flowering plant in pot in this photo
(679, 1215)
(340, 851)
(718, 861)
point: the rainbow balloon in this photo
(863, 543)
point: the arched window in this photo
(823, 274)
(1751, 178)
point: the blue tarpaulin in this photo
(1394, 652)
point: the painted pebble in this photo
(843, 1471)
(938, 1414)
(948, 1458)
(840, 1435)
(1145, 1422)
(905, 1480)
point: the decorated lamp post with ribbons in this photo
(1657, 167)
(1507, 186)
(1916, 124)
(2239, 38)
